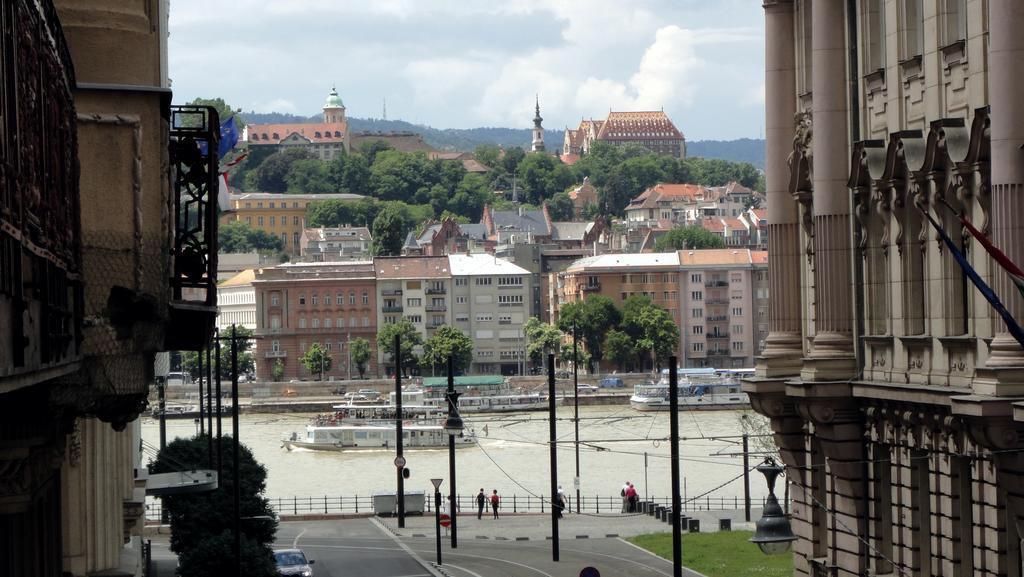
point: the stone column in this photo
(783, 347)
(1006, 69)
(831, 357)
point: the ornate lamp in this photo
(774, 535)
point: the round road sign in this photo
(399, 461)
(590, 572)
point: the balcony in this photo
(716, 302)
(391, 309)
(391, 292)
(436, 290)
(275, 354)
(716, 283)
(718, 336)
(717, 318)
(591, 286)
(434, 325)
(436, 308)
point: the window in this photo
(295, 239)
(315, 298)
(352, 297)
(302, 300)
(271, 205)
(275, 346)
(366, 298)
(295, 221)
(697, 295)
(462, 318)
(504, 319)
(327, 322)
(340, 322)
(737, 329)
(248, 220)
(273, 221)
(737, 311)
(510, 300)
(316, 322)
(259, 221)
(275, 322)
(302, 322)
(461, 281)
(696, 278)
(510, 281)
(698, 330)
(415, 319)
(913, 33)
(327, 345)
(339, 298)
(414, 302)
(366, 321)
(483, 281)
(956, 21)
(275, 300)
(874, 22)
(737, 345)
(698, 313)
(460, 300)
(390, 319)
(484, 317)
(295, 205)
(697, 347)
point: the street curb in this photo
(639, 548)
(429, 567)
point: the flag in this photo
(224, 193)
(1015, 273)
(983, 288)
(228, 136)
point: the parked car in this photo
(586, 388)
(371, 394)
(293, 562)
(612, 383)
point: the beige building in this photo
(417, 288)
(333, 244)
(236, 302)
(490, 303)
(282, 215)
(890, 384)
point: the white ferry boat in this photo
(482, 394)
(372, 427)
(699, 389)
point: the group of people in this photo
(481, 503)
(629, 498)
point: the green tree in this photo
(388, 232)
(717, 172)
(350, 173)
(593, 317)
(316, 360)
(224, 110)
(309, 176)
(597, 163)
(201, 524)
(270, 175)
(238, 236)
(620, 348)
(489, 155)
(402, 176)
(651, 328)
(561, 208)
(409, 337)
(688, 237)
(246, 362)
(513, 156)
(540, 176)
(448, 341)
(370, 148)
(583, 357)
(277, 371)
(359, 349)
(541, 339)
(470, 196)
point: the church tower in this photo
(538, 131)
(334, 108)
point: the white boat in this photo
(482, 394)
(373, 427)
(699, 389)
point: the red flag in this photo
(1011, 268)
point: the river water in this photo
(512, 455)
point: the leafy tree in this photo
(359, 349)
(513, 156)
(224, 110)
(561, 208)
(447, 342)
(201, 524)
(238, 236)
(542, 175)
(688, 237)
(489, 155)
(271, 175)
(583, 357)
(388, 232)
(651, 328)
(593, 317)
(370, 148)
(717, 172)
(316, 360)
(402, 176)
(619, 347)
(277, 371)
(591, 211)
(309, 176)
(409, 337)
(541, 339)
(457, 217)
(470, 196)
(598, 163)
(350, 173)
(246, 362)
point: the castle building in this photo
(652, 130)
(892, 387)
(325, 140)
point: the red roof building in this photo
(324, 139)
(652, 130)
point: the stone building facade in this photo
(893, 390)
(653, 130)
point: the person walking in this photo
(560, 501)
(481, 503)
(625, 500)
(494, 503)
(631, 498)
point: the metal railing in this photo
(593, 504)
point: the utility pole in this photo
(746, 477)
(673, 410)
(552, 447)
(576, 414)
(398, 434)
(234, 431)
(161, 389)
(199, 360)
(220, 449)
(453, 409)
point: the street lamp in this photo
(774, 535)
(437, 514)
(453, 426)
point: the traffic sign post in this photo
(400, 461)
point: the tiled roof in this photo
(570, 159)
(733, 223)
(274, 133)
(282, 196)
(474, 165)
(575, 137)
(243, 278)
(712, 224)
(570, 230)
(715, 256)
(625, 261)
(668, 193)
(412, 267)
(634, 125)
(761, 213)
(532, 221)
(759, 256)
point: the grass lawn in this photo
(722, 554)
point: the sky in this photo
(470, 63)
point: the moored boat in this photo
(373, 427)
(699, 389)
(482, 394)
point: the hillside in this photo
(742, 150)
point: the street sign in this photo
(445, 520)
(399, 461)
(590, 572)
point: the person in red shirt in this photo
(631, 497)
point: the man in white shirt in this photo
(625, 500)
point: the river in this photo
(512, 455)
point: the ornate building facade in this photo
(653, 130)
(892, 388)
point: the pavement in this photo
(511, 546)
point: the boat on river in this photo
(699, 390)
(482, 394)
(354, 427)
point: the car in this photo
(293, 562)
(369, 393)
(586, 388)
(612, 383)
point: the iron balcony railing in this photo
(391, 309)
(391, 292)
(436, 308)
(436, 290)
(275, 354)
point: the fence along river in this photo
(511, 456)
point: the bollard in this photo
(325, 504)
(597, 500)
(357, 503)
(295, 505)
(514, 510)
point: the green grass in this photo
(722, 554)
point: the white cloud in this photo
(276, 105)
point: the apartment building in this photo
(416, 288)
(339, 243)
(236, 301)
(891, 385)
(282, 215)
(490, 303)
(717, 297)
(298, 304)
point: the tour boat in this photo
(699, 389)
(373, 427)
(482, 394)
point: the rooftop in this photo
(411, 267)
(284, 196)
(716, 256)
(483, 264)
(624, 261)
(243, 278)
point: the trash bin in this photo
(659, 512)
(385, 503)
(667, 515)
(725, 524)
(652, 508)
(693, 525)
(414, 502)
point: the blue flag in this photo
(228, 136)
(983, 288)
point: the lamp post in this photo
(773, 534)
(437, 514)
(452, 426)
